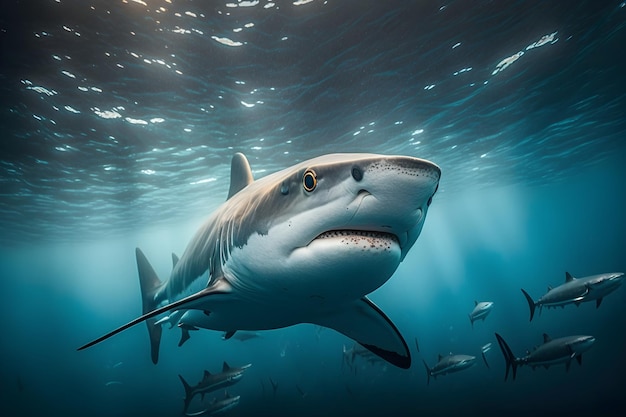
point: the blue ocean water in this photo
(119, 119)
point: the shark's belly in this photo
(269, 290)
(548, 360)
(550, 354)
(327, 271)
(564, 297)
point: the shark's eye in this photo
(309, 180)
(357, 174)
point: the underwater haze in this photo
(119, 121)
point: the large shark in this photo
(448, 364)
(302, 245)
(577, 290)
(211, 382)
(551, 352)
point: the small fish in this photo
(480, 311)
(211, 382)
(448, 364)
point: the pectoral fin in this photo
(218, 287)
(365, 323)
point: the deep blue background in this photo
(532, 186)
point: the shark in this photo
(481, 311)
(212, 382)
(551, 352)
(305, 244)
(216, 406)
(448, 364)
(576, 291)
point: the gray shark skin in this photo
(576, 291)
(217, 406)
(302, 245)
(551, 352)
(481, 311)
(448, 364)
(212, 382)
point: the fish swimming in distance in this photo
(212, 382)
(576, 291)
(216, 406)
(481, 311)
(301, 245)
(551, 352)
(448, 364)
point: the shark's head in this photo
(579, 344)
(463, 362)
(607, 282)
(336, 226)
(485, 306)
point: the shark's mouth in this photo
(374, 236)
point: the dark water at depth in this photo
(119, 119)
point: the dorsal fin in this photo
(225, 367)
(174, 260)
(475, 303)
(439, 357)
(546, 338)
(549, 287)
(569, 277)
(240, 174)
(206, 374)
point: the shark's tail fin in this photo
(531, 304)
(188, 392)
(149, 283)
(427, 372)
(509, 357)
